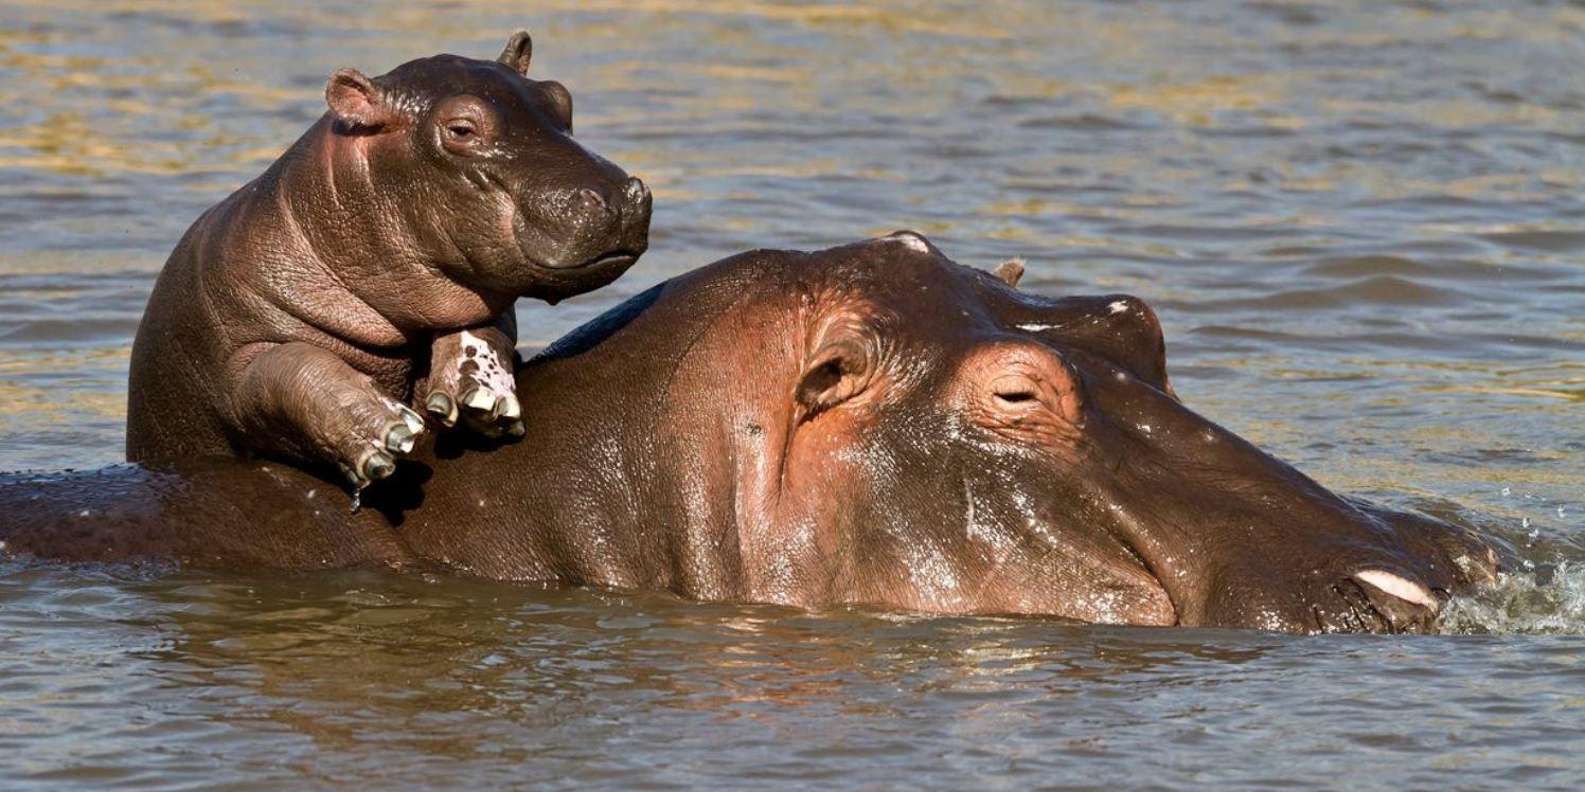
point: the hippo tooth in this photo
(1406, 590)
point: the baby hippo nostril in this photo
(585, 200)
(636, 192)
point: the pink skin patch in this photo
(488, 370)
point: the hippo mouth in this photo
(618, 258)
(1355, 588)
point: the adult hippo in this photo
(871, 424)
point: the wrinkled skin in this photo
(376, 263)
(870, 424)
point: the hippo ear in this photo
(840, 370)
(355, 101)
(561, 100)
(518, 52)
(1010, 271)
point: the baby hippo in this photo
(374, 265)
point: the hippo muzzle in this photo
(605, 226)
(1237, 538)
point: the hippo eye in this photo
(460, 129)
(1025, 392)
(1015, 397)
(1016, 391)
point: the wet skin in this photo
(374, 265)
(870, 425)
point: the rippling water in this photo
(1363, 225)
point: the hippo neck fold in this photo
(578, 498)
(632, 472)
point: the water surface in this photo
(1361, 223)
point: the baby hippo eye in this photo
(464, 124)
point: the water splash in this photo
(1543, 602)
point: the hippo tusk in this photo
(1010, 271)
(1406, 590)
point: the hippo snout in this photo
(631, 198)
(602, 224)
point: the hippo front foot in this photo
(372, 455)
(299, 401)
(471, 381)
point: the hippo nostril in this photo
(636, 191)
(587, 200)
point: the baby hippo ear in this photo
(355, 101)
(519, 51)
(1010, 271)
(561, 99)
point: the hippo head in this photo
(909, 432)
(472, 168)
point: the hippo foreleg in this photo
(302, 401)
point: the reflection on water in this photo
(421, 682)
(1361, 223)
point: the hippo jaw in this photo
(1240, 539)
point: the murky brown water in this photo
(1362, 223)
